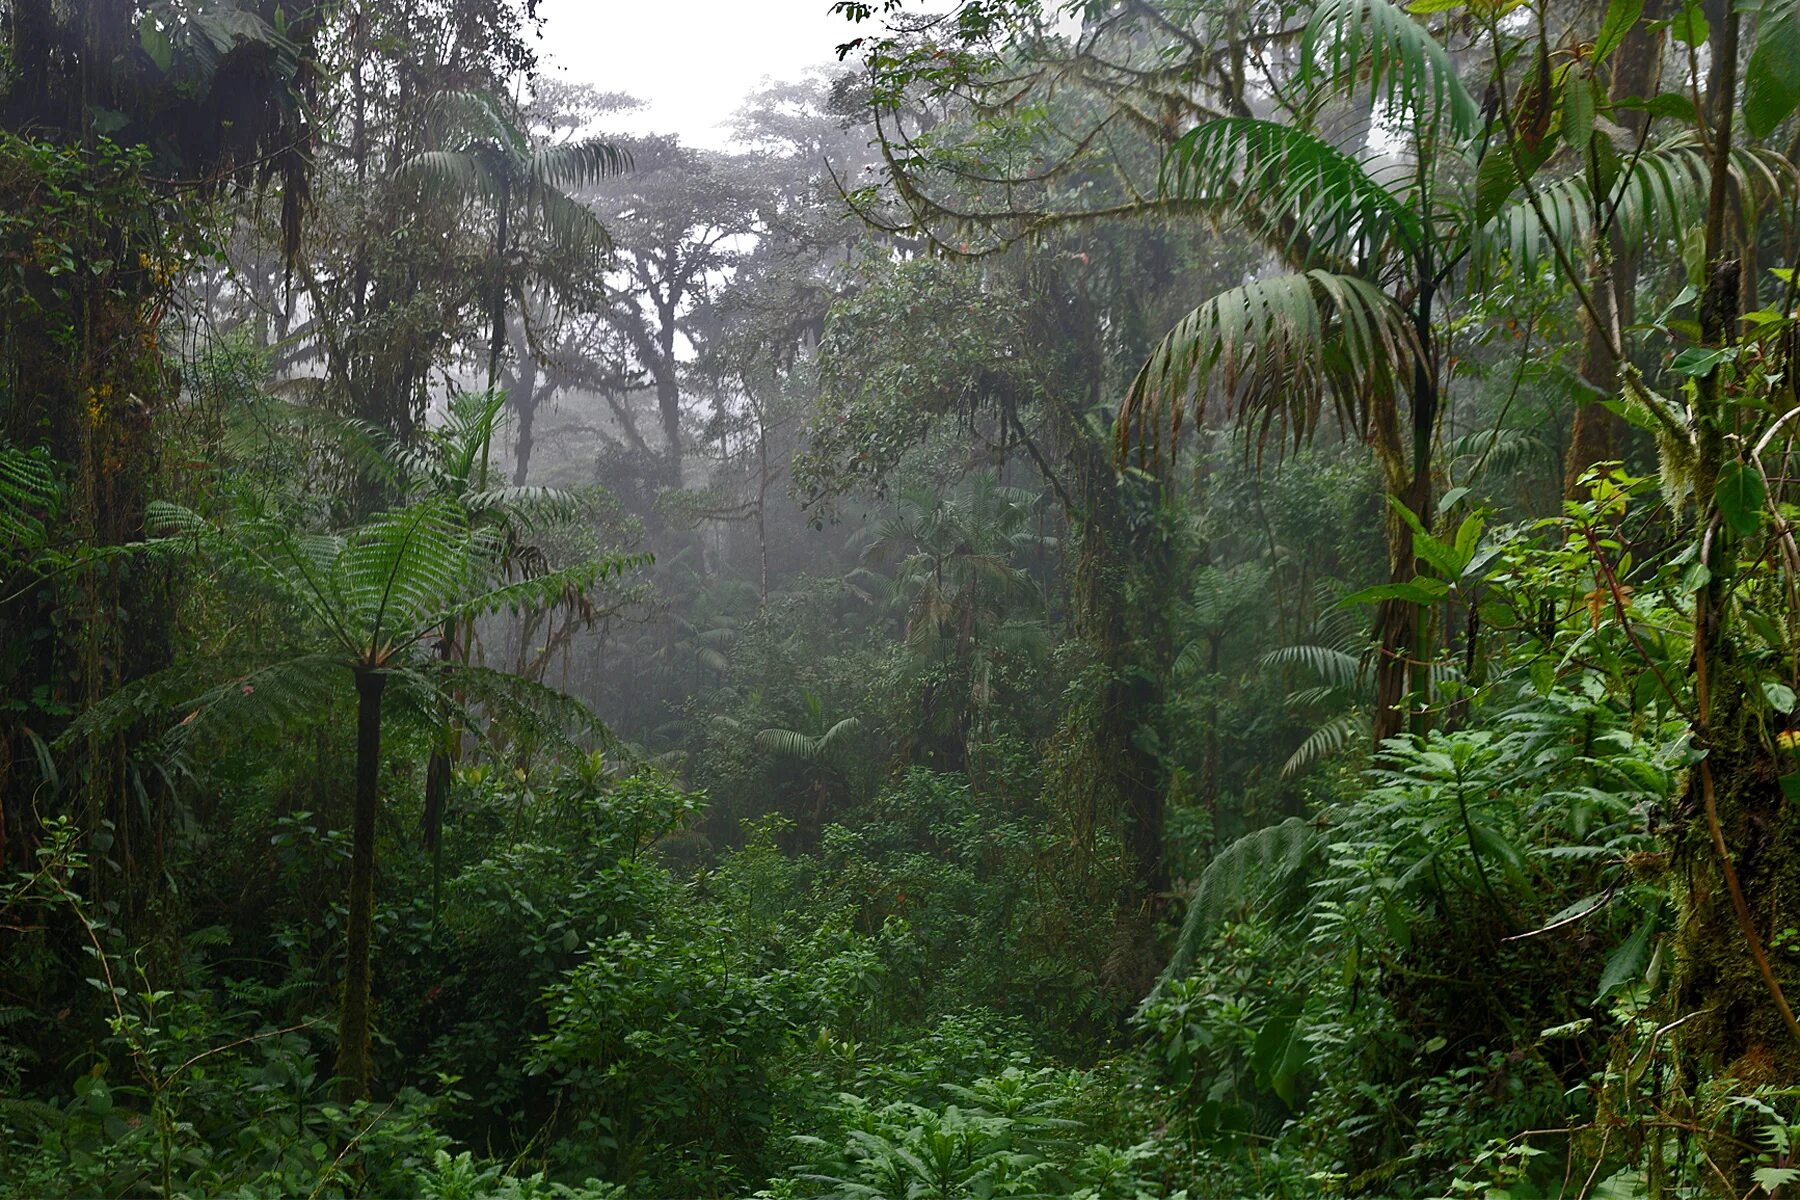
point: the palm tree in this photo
(369, 600)
(1373, 247)
(494, 165)
(818, 752)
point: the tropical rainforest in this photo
(1115, 599)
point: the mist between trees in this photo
(1140, 599)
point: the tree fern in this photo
(1258, 873)
(28, 497)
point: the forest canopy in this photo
(1120, 599)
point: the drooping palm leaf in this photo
(1256, 873)
(1663, 192)
(1376, 49)
(1285, 347)
(1309, 201)
(1326, 740)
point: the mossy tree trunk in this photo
(1739, 846)
(353, 1066)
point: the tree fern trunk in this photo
(353, 1023)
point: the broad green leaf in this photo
(1498, 850)
(1423, 590)
(1689, 25)
(1740, 494)
(1578, 110)
(1628, 961)
(1779, 695)
(1772, 74)
(1668, 105)
(155, 42)
(1621, 15)
(1495, 180)
(1700, 361)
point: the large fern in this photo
(28, 498)
(1256, 874)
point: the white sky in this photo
(691, 61)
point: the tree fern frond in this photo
(523, 709)
(1255, 873)
(29, 496)
(538, 591)
(400, 568)
(277, 696)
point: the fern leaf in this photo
(1256, 872)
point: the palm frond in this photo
(462, 175)
(578, 164)
(1325, 741)
(572, 226)
(1284, 346)
(1663, 193)
(1256, 873)
(789, 743)
(1293, 191)
(1334, 666)
(478, 115)
(1376, 49)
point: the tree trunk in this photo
(353, 1066)
(1741, 839)
(1594, 430)
(1401, 650)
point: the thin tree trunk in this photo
(1402, 651)
(1595, 430)
(353, 1066)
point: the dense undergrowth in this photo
(1140, 601)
